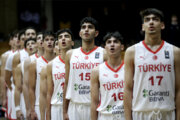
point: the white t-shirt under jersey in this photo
(81, 64)
(58, 75)
(111, 89)
(154, 79)
(40, 62)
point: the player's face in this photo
(39, 40)
(48, 43)
(30, 33)
(88, 32)
(57, 49)
(22, 39)
(16, 40)
(31, 47)
(152, 24)
(65, 41)
(113, 46)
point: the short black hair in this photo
(65, 30)
(29, 39)
(115, 34)
(48, 33)
(90, 20)
(30, 27)
(21, 32)
(153, 11)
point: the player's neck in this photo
(114, 62)
(63, 53)
(48, 55)
(88, 46)
(40, 52)
(153, 40)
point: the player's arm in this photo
(67, 69)
(26, 86)
(3, 84)
(105, 55)
(94, 93)
(43, 92)
(128, 90)
(16, 61)
(32, 86)
(177, 78)
(8, 72)
(18, 91)
(50, 87)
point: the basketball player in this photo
(34, 74)
(43, 84)
(107, 81)
(79, 62)
(30, 46)
(56, 77)
(152, 79)
(40, 51)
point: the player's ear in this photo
(96, 33)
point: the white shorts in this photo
(56, 112)
(37, 110)
(11, 104)
(78, 111)
(110, 117)
(154, 115)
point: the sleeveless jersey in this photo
(111, 89)
(154, 78)
(81, 64)
(34, 57)
(40, 62)
(23, 55)
(58, 75)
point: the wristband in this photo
(17, 108)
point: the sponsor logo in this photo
(82, 89)
(97, 55)
(166, 53)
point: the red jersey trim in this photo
(36, 55)
(87, 53)
(154, 52)
(114, 69)
(61, 59)
(44, 59)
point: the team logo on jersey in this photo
(155, 57)
(97, 55)
(116, 75)
(166, 53)
(86, 57)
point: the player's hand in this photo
(28, 115)
(20, 115)
(65, 116)
(34, 115)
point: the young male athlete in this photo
(107, 82)
(56, 77)
(152, 79)
(79, 63)
(34, 73)
(30, 46)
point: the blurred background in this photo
(122, 15)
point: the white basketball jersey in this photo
(23, 55)
(34, 57)
(40, 62)
(58, 75)
(81, 64)
(154, 78)
(111, 89)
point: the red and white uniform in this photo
(154, 79)
(78, 90)
(40, 62)
(58, 75)
(111, 91)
